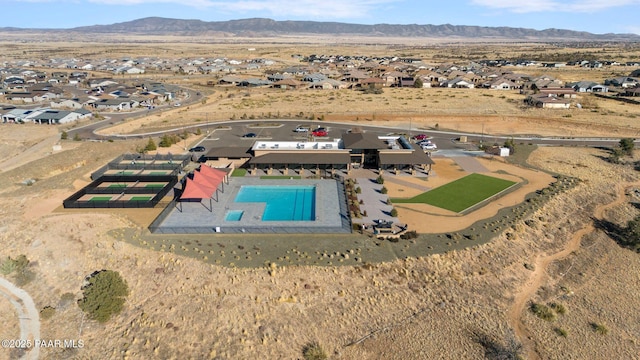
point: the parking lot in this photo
(285, 130)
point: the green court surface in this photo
(158, 173)
(140, 198)
(118, 186)
(155, 185)
(460, 194)
(124, 173)
(100, 198)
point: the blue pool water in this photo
(283, 203)
(233, 215)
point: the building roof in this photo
(416, 157)
(362, 141)
(229, 152)
(304, 158)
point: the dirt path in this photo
(27, 313)
(537, 277)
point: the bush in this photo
(151, 145)
(558, 308)
(561, 332)
(47, 312)
(599, 328)
(18, 267)
(104, 295)
(64, 135)
(409, 235)
(313, 351)
(543, 312)
(383, 190)
(380, 179)
(393, 212)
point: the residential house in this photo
(547, 102)
(588, 86)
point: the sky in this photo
(594, 16)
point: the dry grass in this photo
(452, 305)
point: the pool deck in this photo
(209, 216)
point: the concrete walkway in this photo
(374, 202)
(27, 313)
(399, 181)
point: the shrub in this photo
(380, 179)
(151, 145)
(104, 295)
(358, 190)
(18, 267)
(409, 235)
(47, 312)
(558, 308)
(313, 351)
(383, 190)
(543, 312)
(64, 135)
(393, 212)
(76, 137)
(599, 328)
(561, 332)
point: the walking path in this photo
(399, 181)
(537, 277)
(27, 313)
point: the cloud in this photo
(280, 8)
(586, 6)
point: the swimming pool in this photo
(283, 203)
(234, 215)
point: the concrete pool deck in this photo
(210, 216)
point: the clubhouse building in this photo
(393, 154)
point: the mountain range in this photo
(267, 27)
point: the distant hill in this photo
(269, 27)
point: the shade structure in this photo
(194, 190)
(213, 172)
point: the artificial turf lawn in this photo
(239, 172)
(460, 194)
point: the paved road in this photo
(27, 313)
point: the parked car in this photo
(197, 149)
(249, 135)
(420, 137)
(177, 104)
(429, 146)
(319, 133)
(301, 129)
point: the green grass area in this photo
(154, 185)
(100, 198)
(460, 194)
(239, 172)
(280, 177)
(140, 198)
(117, 186)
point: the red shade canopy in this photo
(194, 190)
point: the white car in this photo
(301, 129)
(429, 146)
